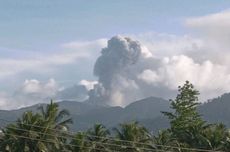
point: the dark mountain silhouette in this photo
(146, 111)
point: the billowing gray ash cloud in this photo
(120, 53)
(117, 70)
(112, 66)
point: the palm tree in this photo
(56, 124)
(163, 140)
(216, 137)
(97, 137)
(54, 117)
(79, 143)
(134, 134)
(25, 136)
(40, 132)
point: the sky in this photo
(49, 46)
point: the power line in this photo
(119, 140)
(72, 137)
(50, 141)
(123, 146)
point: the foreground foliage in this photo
(48, 131)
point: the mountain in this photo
(217, 110)
(85, 115)
(148, 108)
(146, 111)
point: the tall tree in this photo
(187, 126)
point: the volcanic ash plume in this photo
(116, 71)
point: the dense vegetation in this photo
(48, 131)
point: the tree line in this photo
(49, 131)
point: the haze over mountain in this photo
(146, 111)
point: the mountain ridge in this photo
(147, 111)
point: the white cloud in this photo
(31, 86)
(11, 67)
(213, 23)
(4, 100)
(163, 44)
(149, 76)
(85, 45)
(33, 91)
(88, 84)
(71, 54)
(215, 33)
(209, 78)
(36, 87)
